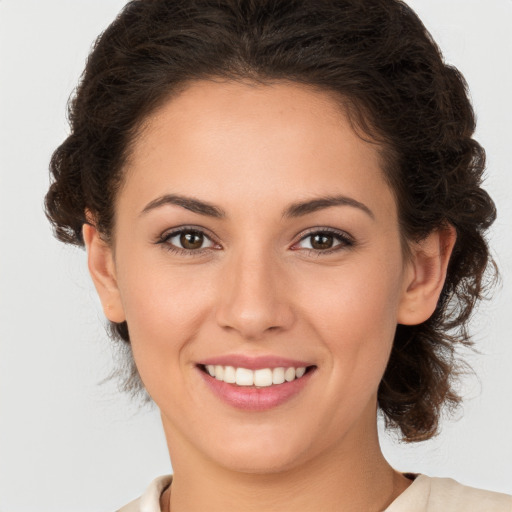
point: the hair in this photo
(385, 68)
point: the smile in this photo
(261, 378)
(260, 388)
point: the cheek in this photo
(353, 310)
(165, 309)
(158, 296)
(348, 309)
(160, 309)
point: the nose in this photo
(254, 298)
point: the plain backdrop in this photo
(68, 443)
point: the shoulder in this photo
(429, 494)
(150, 500)
(449, 494)
(426, 494)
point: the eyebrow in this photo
(320, 203)
(189, 203)
(295, 210)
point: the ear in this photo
(426, 275)
(101, 265)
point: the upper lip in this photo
(254, 362)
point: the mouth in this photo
(257, 378)
(255, 383)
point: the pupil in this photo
(322, 241)
(191, 240)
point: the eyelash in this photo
(345, 241)
(164, 240)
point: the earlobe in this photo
(102, 269)
(426, 276)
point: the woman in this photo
(282, 210)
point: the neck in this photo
(351, 476)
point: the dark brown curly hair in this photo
(381, 62)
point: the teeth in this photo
(277, 375)
(229, 375)
(299, 372)
(219, 372)
(244, 377)
(261, 378)
(289, 374)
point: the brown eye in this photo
(322, 241)
(188, 240)
(325, 241)
(191, 240)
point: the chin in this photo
(260, 454)
(262, 464)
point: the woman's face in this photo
(255, 231)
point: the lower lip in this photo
(255, 399)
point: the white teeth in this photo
(229, 375)
(219, 372)
(244, 377)
(261, 378)
(289, 374)
(277, 375)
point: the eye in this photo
(187, 240)
(324, 241)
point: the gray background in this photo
(70, 444)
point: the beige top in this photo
(425, 494)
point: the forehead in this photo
(234, 110)
(224, 140)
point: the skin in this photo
(257, 287)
